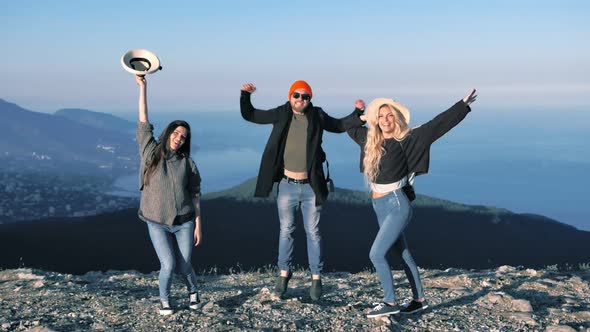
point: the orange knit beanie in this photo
(300, 85)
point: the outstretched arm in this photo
(445, 121)
(355, 119)
(249, 113)
(143, 115)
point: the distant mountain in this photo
(98, 120)
(43, 141)
(239, 230)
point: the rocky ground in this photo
(505, 299)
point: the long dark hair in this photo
(163, 148)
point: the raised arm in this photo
(145, 136)
(445, 121)
(145, 131)
(353, 120)
(249, 113)
(359, 133)
(143, 115)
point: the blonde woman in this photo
(391, 151)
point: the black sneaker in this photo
(413, 307)
(315, 291)
(165, 308)
(382, 309)
(194, 300)
(281, 284)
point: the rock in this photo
(485, 283)
(522, 306)
(460, 291)
(28, 275)
(93, 276)
(208, 306)
(582, 315)
(38, 284)
(569, 300)
(505, 269)
(502, 301)
(99, 326)
(559, 328)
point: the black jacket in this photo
(272, 165)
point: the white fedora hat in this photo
(140, 62)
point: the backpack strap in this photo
(329, 181)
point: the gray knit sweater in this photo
(169, 194)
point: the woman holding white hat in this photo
(392, 154)
(170, 187)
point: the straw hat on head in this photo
(377, 103)
(140, 62)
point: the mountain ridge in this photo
(99, 120)
(50, 142)
(245, 232)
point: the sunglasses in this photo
(304, 96)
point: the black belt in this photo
(291, 180)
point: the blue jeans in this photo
(290, 197)
(393, 214)
(174, 255)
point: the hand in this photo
(249, 87)
(360, 104)
(197, 235)
(470, 98)
(363, 118)
(140, 80)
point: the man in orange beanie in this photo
(293, 158)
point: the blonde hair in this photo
(374, 146)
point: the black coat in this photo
(272, 164)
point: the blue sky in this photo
(532, 54)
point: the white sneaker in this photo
(194, 301)
(165, 308)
